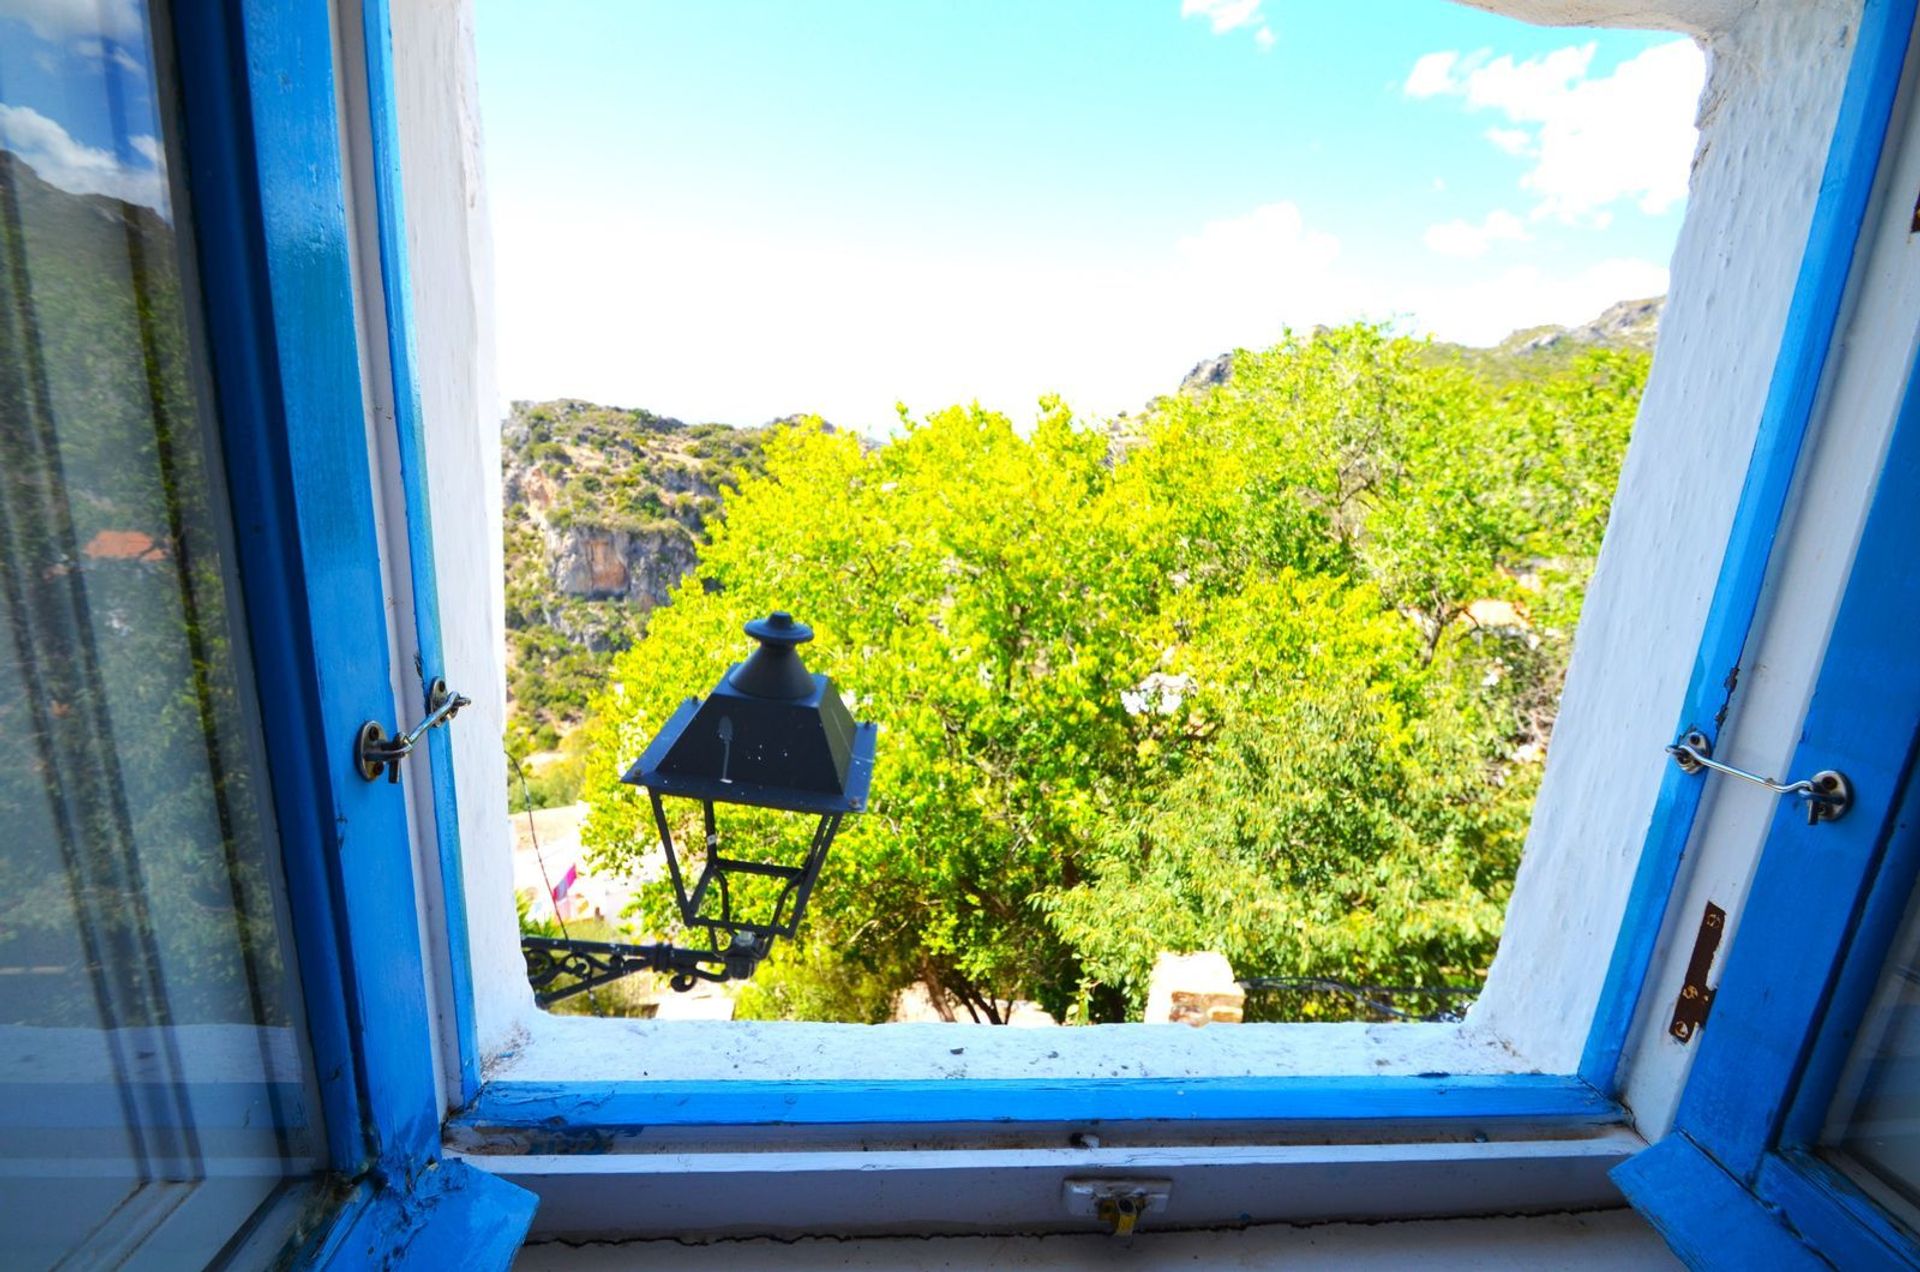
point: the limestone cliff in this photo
(605, 511)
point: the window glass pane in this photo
(1873, 1128)
(154, 1091)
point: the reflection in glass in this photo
(1873, 1127)
(153, 1090)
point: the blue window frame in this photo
(1853, 160)
(263, 154)
(1747, 1177)
(410, 438)
(262, 141)
(1819, 923)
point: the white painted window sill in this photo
(553, 1049)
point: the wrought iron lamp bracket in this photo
(597, 963)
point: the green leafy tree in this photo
(1255, 676)
(982, 609)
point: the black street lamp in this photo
(770, 736)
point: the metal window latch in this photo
(1696, 997)
(1118, 1203)
(373, 750)
(1828, 794)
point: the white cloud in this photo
(643, 305)
(1595, 141)
(1515, 141)
(1432, 75)
(1532, 90)
(1487, 309)
(1271, 237)
(1264, 269)
(78, 19)
(78, 168)
(1464, 238)
(108, 51)
(1232, 15)
(1226, 15)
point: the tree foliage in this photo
(136, 877)
(1268, 672)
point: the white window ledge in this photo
(578, 1049)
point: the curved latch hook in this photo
(1828, 793)
(374, 751)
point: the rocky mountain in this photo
(1627, 324)
(605, 509)
(1207, 374)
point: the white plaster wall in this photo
(1574, 1243)
(1766, 117)
(1700, 18)
(449, 239)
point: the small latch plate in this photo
(1118, 1203)
(367, 746)
(1696, 998)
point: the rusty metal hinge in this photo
(1696, 999)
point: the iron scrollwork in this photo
(597, 963)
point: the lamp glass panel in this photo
(744, 839)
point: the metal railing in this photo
(1274, 999)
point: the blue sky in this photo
(738, 211)
(77, 99)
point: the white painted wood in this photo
(1016, 1190)
(1610, 1241)
(1866, 377)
